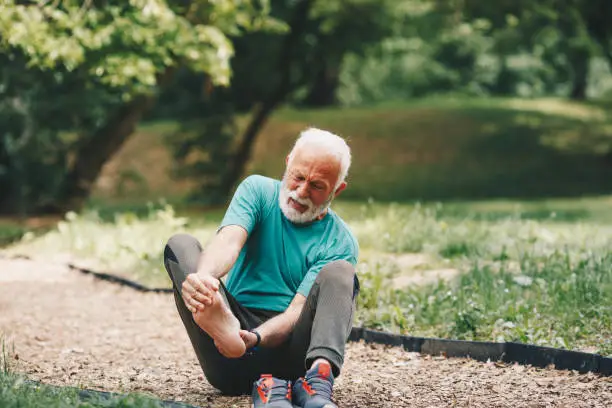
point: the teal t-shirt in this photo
(279, 258)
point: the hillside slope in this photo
(434, 149)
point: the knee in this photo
(180, 240)
(177, 243)
(338, 273)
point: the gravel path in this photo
(70, 329)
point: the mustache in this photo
(303, 201)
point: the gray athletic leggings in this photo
(322, 329)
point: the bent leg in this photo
(326, 320)
(231, 376)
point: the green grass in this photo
(10, 232)
(128, 244)
(534, 268)
(532, 276)
(553, 301)
(16, 391)
(424, 150)
(442, 149)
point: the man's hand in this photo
(249, 338)
(199, 291)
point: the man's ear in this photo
(287, 160)
(340, 188)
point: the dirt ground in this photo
(70, 329)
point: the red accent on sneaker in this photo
(264, 387)
(324, 370)
(288, 391)
(307, 387)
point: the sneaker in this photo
(315, 390)
(270, 392)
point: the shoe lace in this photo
(274, 388)
(319, 384)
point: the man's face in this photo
(308, 186)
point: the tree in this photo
(77, 77)
(564, 33)
(272, 68)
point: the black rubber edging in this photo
(118, 279)
(87, 395)
(508, 352)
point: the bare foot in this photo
(220, 324)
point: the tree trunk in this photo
(580, 62)
(103, 144)
(597, 17)
(323, 90)
(5, 185)
(263, 110)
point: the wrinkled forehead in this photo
(315, 161)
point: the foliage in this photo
(538, 282)
(10, 233)
(111, 245)
(550, 301)
(16, 392)
(437, 148)
(125, 45)
(69, 67)
(451, 148)
(537, 276)
(298, 66)
(521, 48)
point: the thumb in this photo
(244, 334)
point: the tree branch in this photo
(106, 141)
(263, 110)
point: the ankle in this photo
(320, 361)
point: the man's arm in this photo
(222, 251)
(215, 262)
(276, 330)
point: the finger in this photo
(192, 303)
(196, 304)
(199, 286)
(188, 287)
(189, 307)
(193, 279)
(191, 288)
(211, 283)
(248, 338)
(205, 300)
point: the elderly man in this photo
(278, 325)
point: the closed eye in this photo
(318, 186)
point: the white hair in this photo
(330, 143)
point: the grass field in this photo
(536, 268)
(513, 195)
(426, 150)
(533, 273)
(16, 392)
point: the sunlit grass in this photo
(17, 392)
(537, 280)
(553, 301)
(438, 148)
(129, 246)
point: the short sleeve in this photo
(246, 206)
(311, 275)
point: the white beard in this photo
(293, 215)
